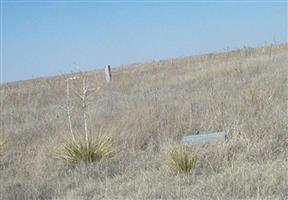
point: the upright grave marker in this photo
(108, 73)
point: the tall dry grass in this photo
(145, 108)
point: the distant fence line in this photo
(244, 52)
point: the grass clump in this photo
(74, 152)
(181, 161)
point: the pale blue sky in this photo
(54, 37)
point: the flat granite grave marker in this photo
(204, 137)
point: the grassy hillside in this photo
(144, 109)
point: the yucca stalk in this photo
(84, 109)
(69, 109)
(86, 92)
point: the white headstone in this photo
(108, 73)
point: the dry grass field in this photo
(144, 110)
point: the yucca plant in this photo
(180, 161)
(85, 149)
(74, 152)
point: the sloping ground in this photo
(144, 109)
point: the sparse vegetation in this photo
(181, 161)
(144, 108)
